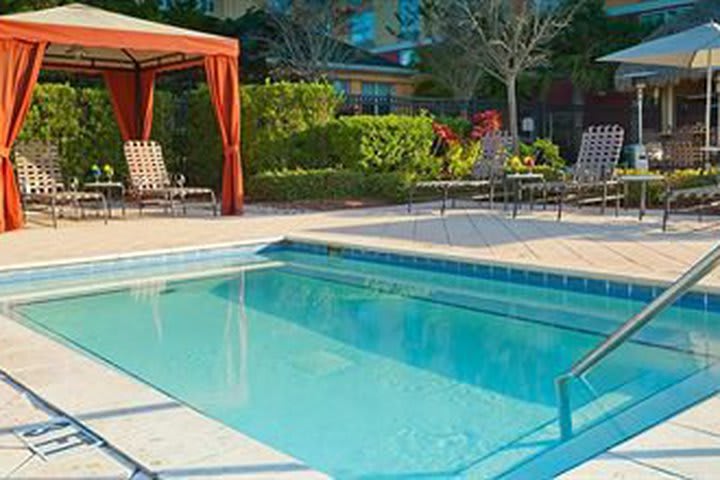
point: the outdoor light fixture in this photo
(638, 154)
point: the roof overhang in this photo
(83, 37)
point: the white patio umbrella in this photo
(697, 47)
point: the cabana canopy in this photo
(129, 53)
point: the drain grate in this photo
(55, 437)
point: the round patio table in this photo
(107, 188)
(643, 180)
(515, 180)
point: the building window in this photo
(377, 98)
(362, 27)
(377, 89)
(409, 17)
(655, 19)
(278, 6)
(206, 6)
(342, 86)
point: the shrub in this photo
(390, 143)
(460, 125)
(549, 152)
(279, 122)
(202, 143)
(327, 183)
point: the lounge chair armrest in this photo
(24, 189)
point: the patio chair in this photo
(41, 182)
(594, 170)
(150, 182)
(691, 200)
(487, 172)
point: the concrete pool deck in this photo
(687, 446)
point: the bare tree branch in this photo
(506, 38)
(304, 41)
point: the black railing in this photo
(561, 123)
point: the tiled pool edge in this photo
(462, 257)
(153, 430)
(623, 286)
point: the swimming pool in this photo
(375, 365)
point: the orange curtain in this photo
(224, 82)
(19, 69)
(133, 110)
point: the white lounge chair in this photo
(488, 171)
(594, 170)
(150, 182)
(37, 165)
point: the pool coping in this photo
(155, 455)
(431, 252)
(410, 250)
(162, 435)
(75, 261)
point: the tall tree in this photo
(507, 38)
(448, 65)
(304, 37)
(592, 34)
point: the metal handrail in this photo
(689, 279)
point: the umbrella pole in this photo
(708, 103)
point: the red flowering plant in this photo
(457, 152)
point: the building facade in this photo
(371, 27)
(650, 12)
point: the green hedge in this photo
(202, 142)
(287, 128)
(280, 122)
(328, 183)
(390, 143)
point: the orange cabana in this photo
(129, 53)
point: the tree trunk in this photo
(511, 86)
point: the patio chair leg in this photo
(531, 193)
(561, 201)
(444, 200)
(617, 200)
(214, 204)
(105, 208)
(666, 214)
(411, 191)
(53, 212)
(545, 197)
(505, 195)
(626, 192)
(604, 198)
(492, 194)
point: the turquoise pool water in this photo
(366, 366)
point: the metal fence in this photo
(563, 124)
